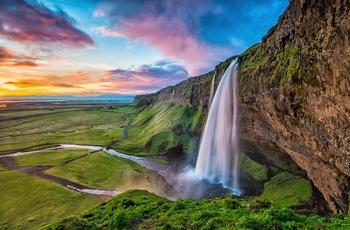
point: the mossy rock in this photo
(255, 170)
(286, 190)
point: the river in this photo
(177, 175)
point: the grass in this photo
(2, 168)
(142, 210)
(286, 190)
(253, 169)
(92, 127)
(40, 140)
(52, 157)
(28, 202)
(160, 128)
(103, 171)
(160, 161)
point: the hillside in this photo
(137, 209)
(294, 96)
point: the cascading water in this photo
(218, 153)
(212, 91)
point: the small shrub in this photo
(120, 221)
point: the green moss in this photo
(274, 170)
(226, 63)
(287, 64)
(286, 190)
(160, 142)
(198, 121)
(254, 57)
(253, 169)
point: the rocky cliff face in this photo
(295, 96)
(297, 83)
(193, 92)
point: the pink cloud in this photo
(168, 26)
(10, 58)
(104, 31)
(176, 44)
(64, 85)
(145, 78)
(32, 22)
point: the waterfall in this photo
(212, 90)
(218, 153)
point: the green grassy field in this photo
(52, 157)
(28, 202)
(103, 171)
(143, 210)
(35, 129)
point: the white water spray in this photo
(218, 153)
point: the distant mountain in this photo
(103, 97)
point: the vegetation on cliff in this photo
(162, 129)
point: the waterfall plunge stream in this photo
(218, 153)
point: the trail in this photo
(38, 171)
(125, 137)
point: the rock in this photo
(304, 108)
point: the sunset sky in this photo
(93, 47)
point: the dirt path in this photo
(125, 133)
(38, 171)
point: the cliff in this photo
(294, 96)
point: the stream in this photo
(175, 174)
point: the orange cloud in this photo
(26, 64)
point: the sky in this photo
(129, 47)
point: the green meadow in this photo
(52, 157)
(31, 130)
(103, 171)
(28, 202)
